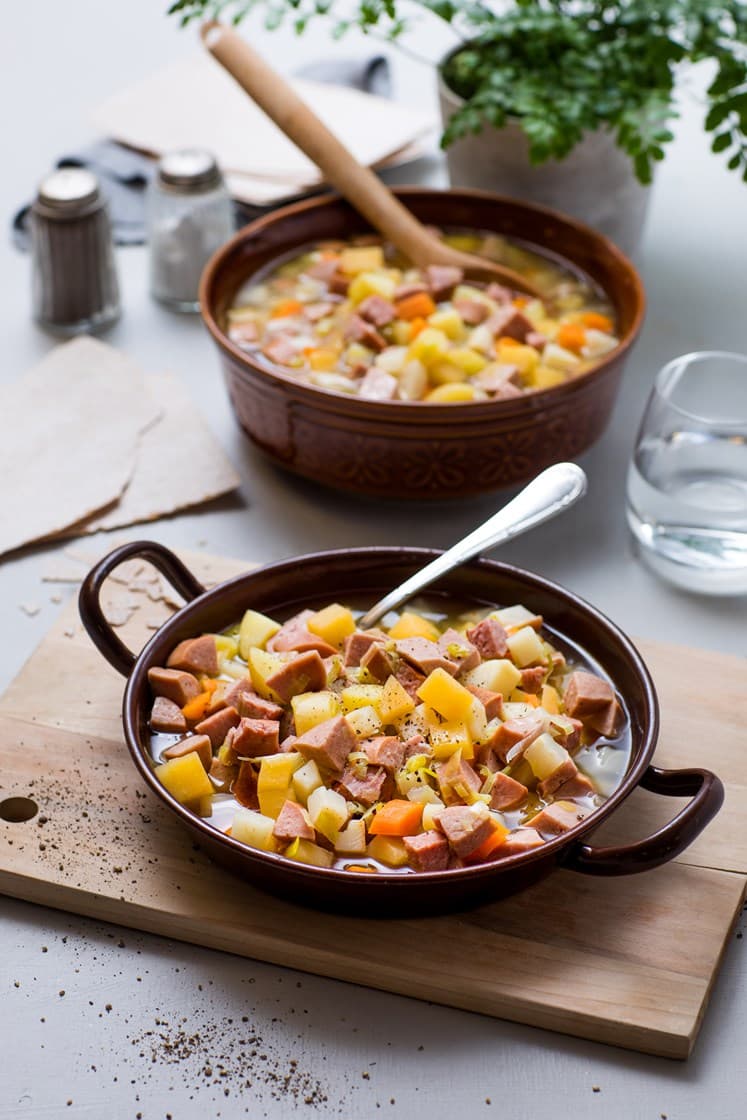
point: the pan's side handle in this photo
(89, 600)
(707, 794)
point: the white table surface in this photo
(71, 1055)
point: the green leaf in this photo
(721, 142)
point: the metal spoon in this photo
(359, 185)
(555, 490)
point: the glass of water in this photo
(687, 483)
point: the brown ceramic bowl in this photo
(362, 575)
(399, 449)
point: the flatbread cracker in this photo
(70, 445)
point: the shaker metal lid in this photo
(69, 188)
(190, 169)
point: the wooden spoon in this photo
(359, 185)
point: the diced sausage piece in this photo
(252, 738)
(244, 332)
(510, 323)
(167, 716)
(507, 793)
(294, 637)
(559, 817)
(606, 721)
(472, 311)
(499, 293)
(378, 385)
(578, 786)
(329, 743)
(288, 744)
(256, 707)
(199, 744)
(196, 655)
(174, 685)
(366, 791)
(537, 340)
(564, 773)
(323, 269)
(405, 290)
(415, 745)
(385, 750)
(532, 679)
(442, 279)
(378, 663)
(280, 350)
(490, 638)
(293, 822)
(495, 376)
(410, 679)
(516, 733)
(221, 774)
(457, 780)
(569, 739)
(244, 788)
(217, 726)
(425, 655)
(507, 392)
(523, 840)
(429, 851)
(237, 689)
(357, 643)
(316, 311)
(218, 699)
(464, 830)
(376, 310)
(492, 702)
(586, 693)
(338, 283)
(358, 330)
(305, 673)
(457, 647)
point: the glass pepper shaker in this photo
(74, 278)
(189, 216)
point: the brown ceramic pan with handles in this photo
(360, 576)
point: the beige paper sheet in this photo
(195, 103)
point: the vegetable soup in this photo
(437, 741)
(356, 318)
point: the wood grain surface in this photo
(626, 961)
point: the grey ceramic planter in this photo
(595, 183)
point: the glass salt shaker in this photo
(189, 216)
(74, 278)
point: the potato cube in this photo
(371, 284)
(394, 702)
(446, 695)
(413, 723)
(550, 699)
(413, 381)
(545, 755)
(361, 696)
(185, 778)
(431, 813)
(226, 646)
(306, 851)
(389, 850)
(496, 674)
(476, 721)
(364, 722)
(446, 373)
(361, 258)
(392, 359)
(526, 358)
(204, 807)
(468, 360)
(412, 625)
(261, 666)
(557, 357)
(513, 618)
(274, 781)
(543, 377)
(526, 647)
(455, 394)
(305, 780)
(425, 794)
(334, 623)
(401, 330)
(429, 346)
(256, 630)
(322, 360)
(328, 811)
(351, 841)
(311, 708)
(254, 829)
(450, 322)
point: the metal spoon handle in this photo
(551, 492)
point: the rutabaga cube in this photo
(275, 780)
(513, 618)
(256, 630)
(261, 666)
(395, 701)
(328, 811)
(526, 647)
(496, 674)
(254, 829)
(364, 722)
(306, 851)
(351, 841)
(333, 624)
(545, 755)
(305, 780)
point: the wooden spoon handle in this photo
(358, 184)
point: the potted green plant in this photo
(566, 102)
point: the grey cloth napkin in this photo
(124, 174)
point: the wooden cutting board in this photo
(628, 961)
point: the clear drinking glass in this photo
(687, 482)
